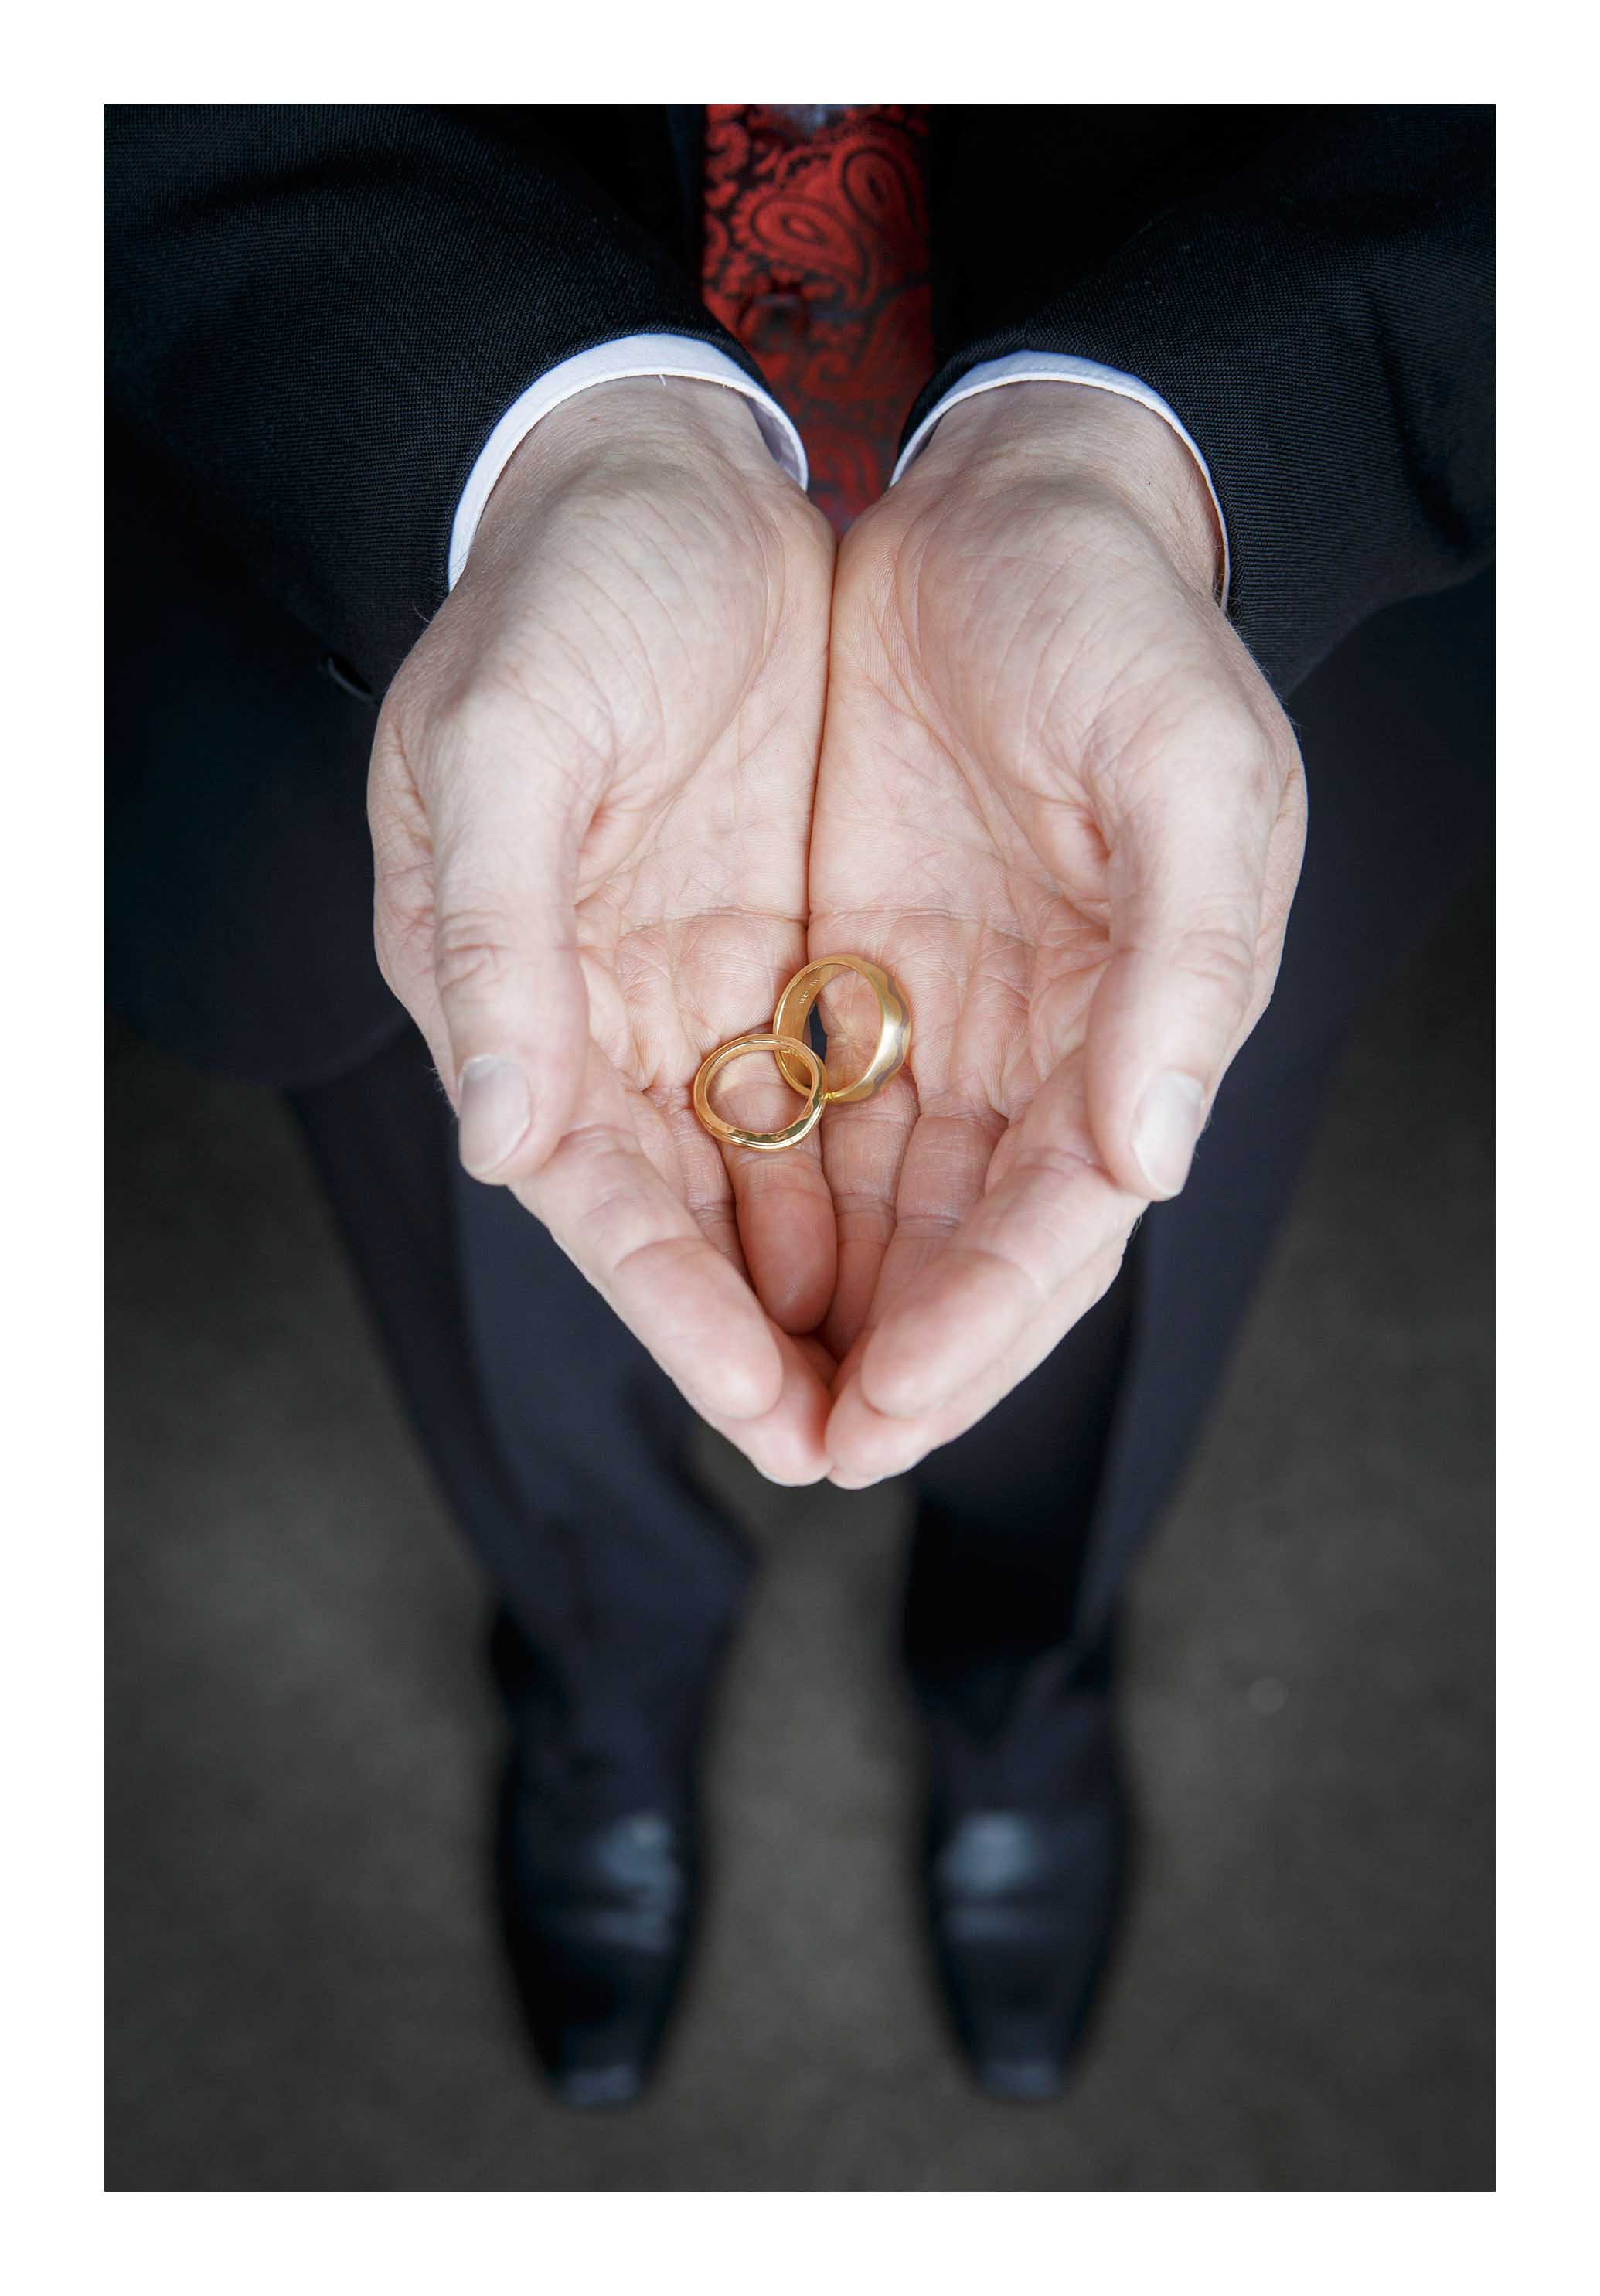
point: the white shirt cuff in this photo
(630, 356)
(1056, 366)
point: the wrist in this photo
(1095, 443)
(629, 433)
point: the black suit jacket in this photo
(316, 315)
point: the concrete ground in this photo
(304, 1990)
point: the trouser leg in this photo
(644, 1575)
(1002, 1517)
(1030, 1522)
(557, 1442)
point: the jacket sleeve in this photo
(1321, 320)
(316, 315)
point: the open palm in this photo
(1059, 804)
(591, 799)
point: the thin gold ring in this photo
(718, 1126)
(794, 1010)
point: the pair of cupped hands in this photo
(665, 742)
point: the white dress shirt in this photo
(681, 357)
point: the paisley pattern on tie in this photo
(815, 257)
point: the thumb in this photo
(513, 1004)
(1185, 981)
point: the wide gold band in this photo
(794, 1010)
(814, 1086)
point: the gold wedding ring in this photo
(894, 1030)
(798, 1064)
(791, 1135)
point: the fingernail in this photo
(1165, 1130)
(495, 1112)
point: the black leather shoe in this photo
(1022, 1905)
(596, 1912)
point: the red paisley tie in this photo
(816, 258)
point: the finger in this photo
(495, 981)
(786, 1442)
(784, 1213)
(635, 1239)
(864, 1143)
(865, 1446)
(940, 1180)
(864, 1150)
(1048, 1211)
(1187, 877)
(787, 1231)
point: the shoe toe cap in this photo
(1020, 2080)
(597, 2089)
